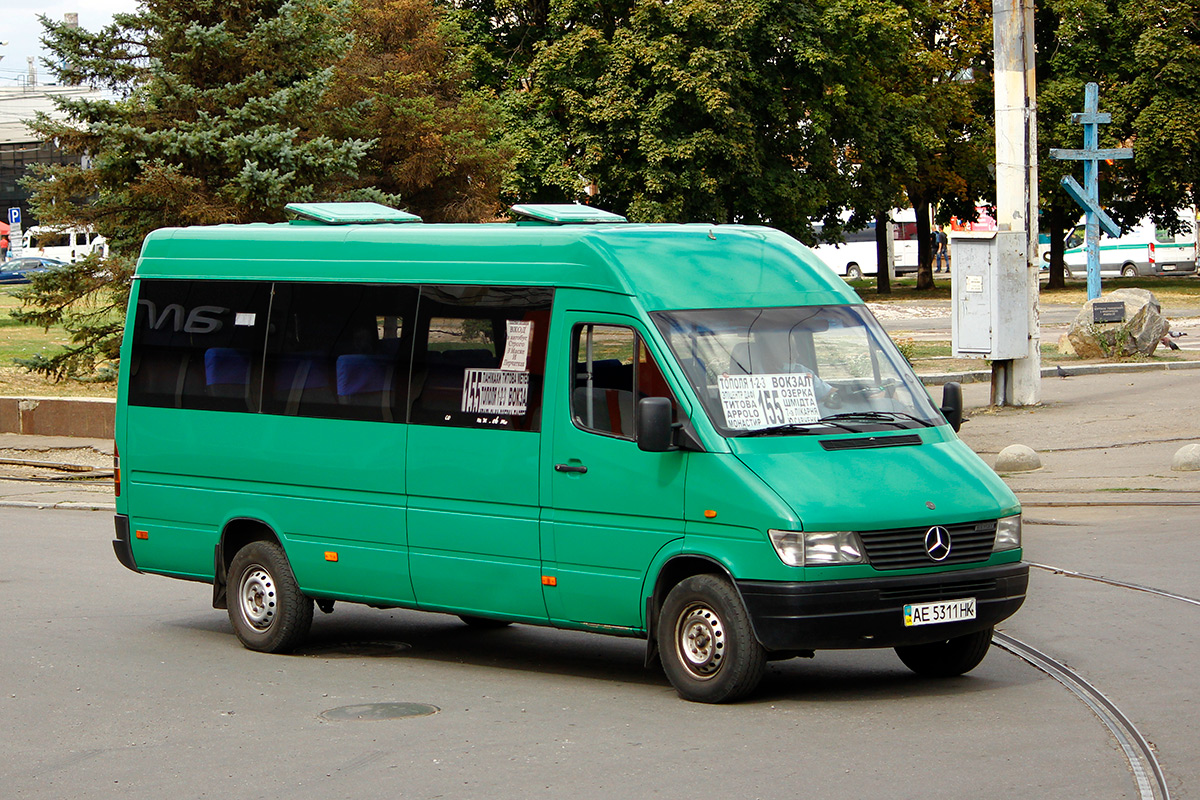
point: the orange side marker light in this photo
(549, 580)
(709, 513)
(142, 534)
(330, 555)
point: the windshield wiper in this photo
(878, 416)
(797, 427)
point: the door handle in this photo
(579, 468)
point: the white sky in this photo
(19, 27)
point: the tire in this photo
(706, 643)
(484, 623)
(1129, 271)
(853, 273)
(949, 658)
(268, 611)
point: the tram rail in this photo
(1143, 762)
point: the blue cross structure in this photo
(1088, 195)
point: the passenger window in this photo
(613, 370)
(198, 344)
(480, 356)
(339, 351)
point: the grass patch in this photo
(21, 341)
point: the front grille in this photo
(904, 548)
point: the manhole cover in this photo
(373, 711)
(354, 649)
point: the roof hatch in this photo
(349, 213)
(566, 214)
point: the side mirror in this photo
(654, 424)
(952, 405)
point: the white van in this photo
(1144, 249)
(856, 256)
(64, 244)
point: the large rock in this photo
(1140, 333)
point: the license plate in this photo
(942, 611)
(1168, 266)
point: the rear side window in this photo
(480, 356)
(340, 351)
(198, 344)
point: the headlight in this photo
(1008, 534)
(817, 548)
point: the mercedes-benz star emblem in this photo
(937, 543)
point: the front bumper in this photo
(869, 612)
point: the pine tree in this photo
(216, 117)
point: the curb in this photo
(66, 505)
(983, 376)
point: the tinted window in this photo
(198, 344)
(479, 356)
(339, 350)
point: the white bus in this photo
(855, 257)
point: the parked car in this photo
(19, 270)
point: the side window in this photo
(612, 371)
(339, 351)
(198, 344)
(479, 356)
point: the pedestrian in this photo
(3, 249)
(941, 251)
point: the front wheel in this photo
(268, 611)
(854, 273)
(949, 658)
(706, 642)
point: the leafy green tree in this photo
(217, 118)
(402, 85)
(1146, 59)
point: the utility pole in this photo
(1017, 381)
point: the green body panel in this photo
(623, 258)
(605, 526)
(939, 482)
(473, 520)
(745, 509)
(473, 512)
(322, 484)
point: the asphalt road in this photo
(132, 686)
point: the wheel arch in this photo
(677, 569)
(237, 533)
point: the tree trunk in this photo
(1056, 222)
(924, 245)
(883, 275)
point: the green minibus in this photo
(693, 434)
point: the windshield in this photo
(792, 371)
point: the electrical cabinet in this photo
(990, 295)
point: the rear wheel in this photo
(268, 611)
(949, 658)
(854, 272)
(1129, 271)
(706, 642)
